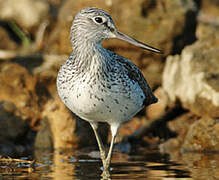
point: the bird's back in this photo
(135, 74)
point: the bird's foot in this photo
(105, 175)
(106, 164)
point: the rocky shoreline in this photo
(185, 78)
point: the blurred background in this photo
(34, 42)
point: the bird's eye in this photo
(98, 20)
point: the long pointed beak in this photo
(124, 37)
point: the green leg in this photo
(99, 142)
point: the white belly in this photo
(108, 105)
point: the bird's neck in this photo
(89, 55)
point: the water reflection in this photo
(142, 165)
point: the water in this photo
(152, 165)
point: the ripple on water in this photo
(142, 165)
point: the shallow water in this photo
(141, 165)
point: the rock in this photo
(7, 148)
(60, 129)
(19, 88)
(193, 77)
(180, 126)
(12, 128)
(11, 125)
(26, 13)
(44, 139)
(19, 111)
(57, 127)
(193, 134)
(158, 109)
(46, 74)
(5, 40)
(199, 166)
(208, 20)
(209, 13)
(203, 136)
(129, 128)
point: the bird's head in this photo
(95, 25)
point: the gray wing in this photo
(135, 74)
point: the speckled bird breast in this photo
(102, 97)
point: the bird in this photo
(97, 84)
